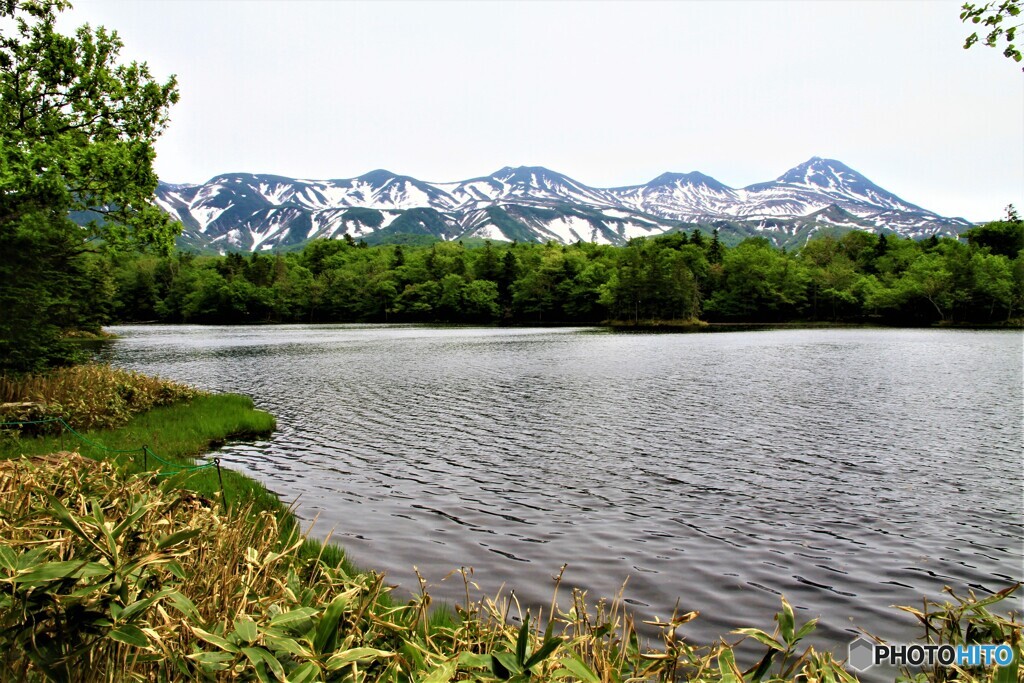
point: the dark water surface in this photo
(848, 469)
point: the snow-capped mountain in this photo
(243, 211)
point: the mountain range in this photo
(257, 212)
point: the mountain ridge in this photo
(260, 212)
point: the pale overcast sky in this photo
(608, 93)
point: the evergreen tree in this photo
(715, 249)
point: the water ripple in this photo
(849, 470)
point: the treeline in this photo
(858, 276)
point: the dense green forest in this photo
(857, 276)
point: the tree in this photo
(76, 137)
(1005, 237)
(991, 15)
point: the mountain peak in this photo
(819, 171)
(694, 178)
(525, 174)
(378, 176)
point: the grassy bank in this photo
(175, 423)
(176, 433)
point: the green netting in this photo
(144, 450)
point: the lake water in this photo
(848, 469)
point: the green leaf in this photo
(246, 629)
(130, 520)
(757, 672)
(52, 571)
(760, 636)
(217, 661)
(8, 558)
(806, 629)
(64, 516)
(129, 634)
(213, 639)
(1008, 674)
(727, 667)
(136, 607)
(287, 645)
(503, 665)
(176, 538)
(327, 630)
(522, 640)
(356, 654)
(786, 620)
(442, 674)
(183, 604)
(294, 616)
(471, 660)
(175, 568)
(305, 673)
(579, 669)
(257, 655)
(542, 652)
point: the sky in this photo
(608, 93)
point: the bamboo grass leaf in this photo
(327, 630)
(287, 645)
(130, 520)
(141, 605)
(503, 665)
(305, 673)
(101, 525)
(574, 664)
(129, 634)
(216, 661)
(258, 655)
(443, 673)
(51, 571)
(66, 519)
(806, 629)
(471, 660)
(213, 639)
(757, 672)
(177, 538)
(761, 637)
(294, 616)
(727, 668)
(356, 654)
(183, 604)
(1008, 673)
(245, 627)
(542, 652)
(8, 558)
(522, 640)
(786, 622)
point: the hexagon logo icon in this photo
(861, 655)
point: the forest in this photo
(853, 277)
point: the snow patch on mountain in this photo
(247, 211)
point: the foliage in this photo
(76, 135)
(991, 16)
(969, 621)
(105, 575)
(90, 396)
(677, 278)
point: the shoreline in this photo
(565, 656)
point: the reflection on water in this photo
(847, 469)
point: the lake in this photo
(848, 469)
